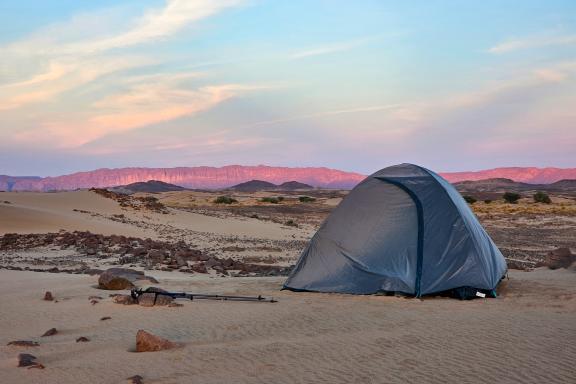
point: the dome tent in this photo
(402, 229)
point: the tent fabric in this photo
(403, 229)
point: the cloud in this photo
(330, 48)
(155, 24)
(139, 105)
(61, 76)
(329, 113)
(532, 42)
(67, 55)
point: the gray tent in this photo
(403, 229)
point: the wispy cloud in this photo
(373, 108)
(155, 24)
(532, 42)
(61, 76)
(73, 54)
(330, 48)
(68, 56)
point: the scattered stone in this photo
(174, 304)
(124, 299)
(50, 332)
(95, 298)
(199, 268)
(150, 299)
(560, 258)
(119, 278)
(48, 296)
(23, 343)
(136, 379)
(82, 339)
(105, 318)
(147, 342)
(93, 302)
(28, 360)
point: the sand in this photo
(527, 335)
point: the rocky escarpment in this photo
(189, 177)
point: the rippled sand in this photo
(527, 335)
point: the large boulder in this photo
(560, 258)
(147, 342)
(120, 278)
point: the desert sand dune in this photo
(527, 335)
(29, 212)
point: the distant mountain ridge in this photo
(531, 175)
(224, 177)
(189, 177)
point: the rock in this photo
(93, 302)
(95, 298)
(228, 263)
(28, 360)
(212, 262)
(150, 299)
(136, 379)
(105, 318)
(156, 256)
(50, 332)
(560, 258)
(82, 339)
(147, 299)
(174, 304)
(199, 268)
(124, 299)
(147, 342)
(23, 343)
(48, 296)
(163, 300)
(119, 278)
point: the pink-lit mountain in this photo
(190, 177)
(530, 175)
(223, 177)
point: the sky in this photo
(451, 85)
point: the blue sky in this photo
(451, 85)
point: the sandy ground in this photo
(526, 335)
(29, 212)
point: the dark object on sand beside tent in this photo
(137, 293)
(403, 229)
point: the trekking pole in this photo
(135, 293)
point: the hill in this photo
(254, 186)
(150, 186)
(294, 186)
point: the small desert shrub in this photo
(511, 197)
(291, 223)
(280, 198)
(541, 197)
(272, 200)
(306, 199)
(487, 201)
(469, 199)
(225, 200)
